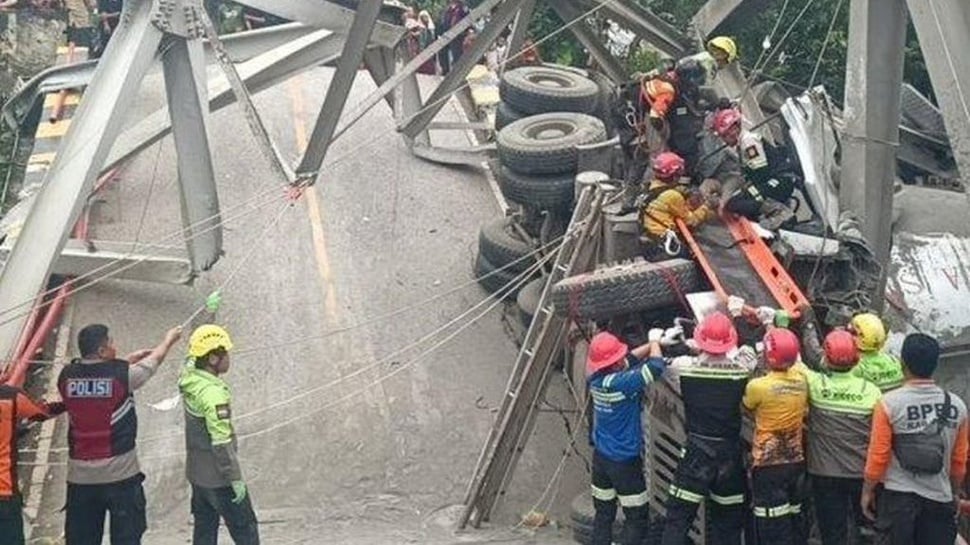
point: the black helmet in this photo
(690, 72)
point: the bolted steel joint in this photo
(179, 17)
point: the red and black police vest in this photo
(101, 408)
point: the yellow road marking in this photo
(314, 209)
(53, 130)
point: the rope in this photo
(825, 44)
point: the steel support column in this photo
(71, 177)
(716, 12)
(874, 73)
(185, 85)
(343, 80)
(380, 62)
(520, 30)
(659, 33)
(943, 28)
(610, 65)
(454, 80)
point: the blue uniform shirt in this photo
(617, 406)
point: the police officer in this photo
(711, 386)
(103, 475)
(617, 378)
(211, 463)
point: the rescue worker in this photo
(15, 405)
(779, 402)
(875, 365)
(918, 451)
(723, 50)
(103, 475)
(666, 202)
(211, 462)
(711, 385)
(749, 186)
(839, 420)
(617, 377)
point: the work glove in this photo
(655, 335)
(682, 361)
(782, 319)
(55, 408)
(213, 301)
(735, 305)
(672, 336)
(238, 491)
(766, 315)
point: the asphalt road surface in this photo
(328, 460)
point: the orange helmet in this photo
(781, 349)
(716, 334)
(604, 350)
(841, 352)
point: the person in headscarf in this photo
(428, 35)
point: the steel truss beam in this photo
(324, 14)
(715, 13)
(259, 74)
(497, 23)
(241, 47)
(943, 28)
(659, 33)
(874, 75)
(520, 30)
(72, 174)
(343, 79)
(610, 65)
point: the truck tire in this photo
(497, 281)
(553, 192)
(501, 245)
(528, 300)
(546, 143)
(625, 288)
(544, 89)
(506, 115)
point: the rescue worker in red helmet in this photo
(667, 201)
(617, 378)
(839, 422)
(779, 402)
(711, 385)
(750, 186)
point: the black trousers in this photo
(776, 498)
(837, 499)
(87, 504)
(710, 469)
(623, 481)
(211, 504)
(12, 520)
(904, 518)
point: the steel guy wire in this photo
(115, 272)
(496, 298)
(825, 44)
(242, 353)
(757, 70)
(391, 356)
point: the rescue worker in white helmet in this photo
(211, 462)
(839, 422)
(875, 365)
(711, 385)
(778, 401)
(750, 187)
(617, 378)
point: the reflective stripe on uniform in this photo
(686, 495)
(603, 494)
(608, 380)
(736, 499)
(774, 512)
(708, 372)
(607, 397)
(795, 509)
(647, 375)
(634, 500)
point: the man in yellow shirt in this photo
(779, 402)
(667, 202)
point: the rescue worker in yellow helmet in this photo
(875, 365)
(723, 50)
(211, 462)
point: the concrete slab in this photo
(382, 230)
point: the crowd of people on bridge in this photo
(872, 436)
(104, 477)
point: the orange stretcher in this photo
(746, 253)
